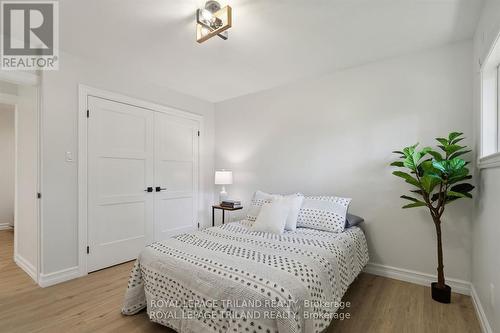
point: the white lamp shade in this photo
(223, 177)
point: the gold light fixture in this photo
(212, 21)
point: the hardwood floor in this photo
(92, 304)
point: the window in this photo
(489, 126)
(490, 115)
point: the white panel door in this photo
(120, 168)
(176, 175)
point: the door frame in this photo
(21, 78)
(84, 92)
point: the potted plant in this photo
(437, 179)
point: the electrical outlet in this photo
(492, 295)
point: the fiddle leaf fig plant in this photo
(437, 178)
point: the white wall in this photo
(486, 226)
(26, 238)
(7, 149)
(59, 122)
(334, 135)
(8, 88)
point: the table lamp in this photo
(223, 177)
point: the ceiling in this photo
(271, 43)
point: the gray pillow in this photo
(352, 220)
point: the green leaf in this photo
(412, 161)
(443, 141)
(455, 194)
(462, 188)
(424, 152)
(458, 175)
(398, 164)
(417, 191)
(437, 177)
(416, 158)
(410, 198)
(459, 153)
(408, 162)
(429, 182)
(409, 179)
(440, 165)
(453, 168)
(437, 156)
(456, 141)
(453, 148)
(454, 135)
(398, 152)
(428, 167)
(457, 179)
(415, 204)
(456, 164)
(408, 151)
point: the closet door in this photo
(120, 168)
(175, 175)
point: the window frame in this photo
(490, 69)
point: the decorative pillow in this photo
(295, 203)
(324, 213)
(259, 199)
(272, 217)
(353, 220)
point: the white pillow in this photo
(272, 217)
(295, 203)
(324, 213)
(259, 199)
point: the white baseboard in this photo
(483, 321)
(51, 279)
(26, 266)
(5, 226)
(458, 286)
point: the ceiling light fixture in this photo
(212, 21)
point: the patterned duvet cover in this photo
(231, 279)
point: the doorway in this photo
(7, 167)
(19, 146)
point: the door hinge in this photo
(198, 133)
(88, 249)
(88, 114)
(39, 195)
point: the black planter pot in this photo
(441, 295)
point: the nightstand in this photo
(214, 207)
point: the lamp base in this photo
(222, 194)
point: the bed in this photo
(231, 279)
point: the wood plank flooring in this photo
(92, 304)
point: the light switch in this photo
(69, 156)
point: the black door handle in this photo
(158, 189)
(149, 189)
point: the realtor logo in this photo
(30, 35)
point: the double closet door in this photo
(142, 179)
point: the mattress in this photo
(231, 279)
